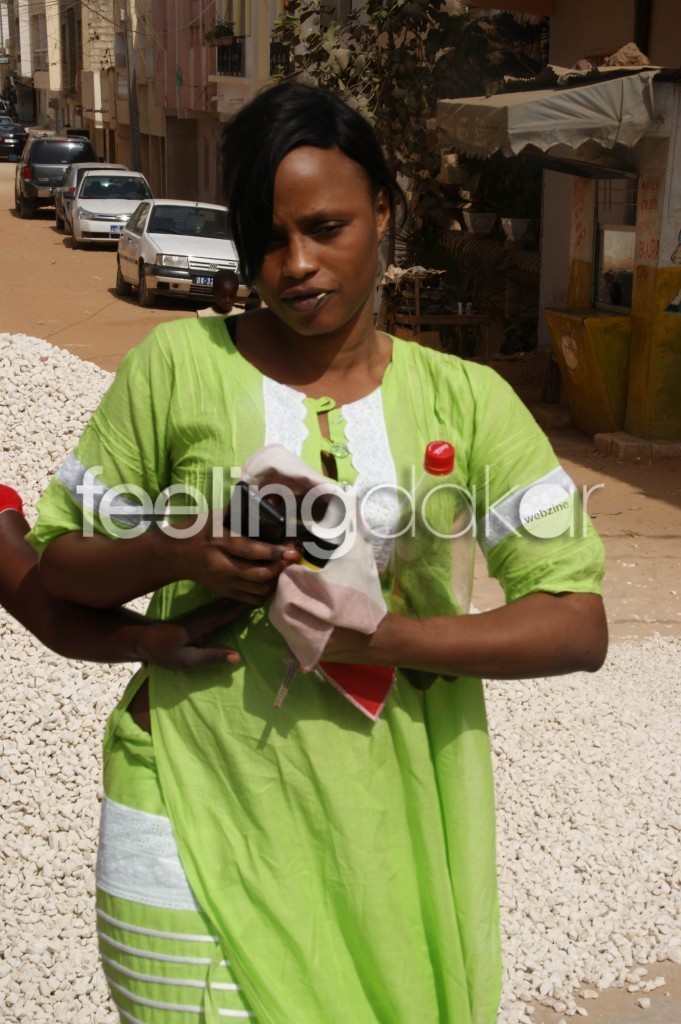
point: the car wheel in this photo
(17, 207)
(75, 244)
(58, 221)
(26, 208)
(122, 286)
(145, 297)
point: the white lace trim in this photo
(285, 413)
(138, 859)
(367, 436)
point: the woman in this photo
(90, 634)
(319, 867)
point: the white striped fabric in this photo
(147, 954)
(157, 979)
(156, 1004)
(153, 932)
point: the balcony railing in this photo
(281, 58)
(40, 62)
(231, 58)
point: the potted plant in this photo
(515, 228)
(221, 33)
(512, 186)
(479, 216)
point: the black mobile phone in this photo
(251, 515)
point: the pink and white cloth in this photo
(310, 603)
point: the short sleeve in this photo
(110, 482)
(531, 522)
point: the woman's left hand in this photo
(179, 643)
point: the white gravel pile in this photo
(587, 772)
(588, 779)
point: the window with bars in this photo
(230, 59)
(615, 243)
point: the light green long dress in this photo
(348, 868)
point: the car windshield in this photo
(114, 186)
(199, 221)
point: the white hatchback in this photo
(174, 248)
(103, 204)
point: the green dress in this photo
(347, 867)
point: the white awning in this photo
(618, 110)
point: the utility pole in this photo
(132, 89)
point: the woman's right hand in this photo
(103, 573)
(227, 564)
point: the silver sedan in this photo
(104, 203)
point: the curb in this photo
(628, 448)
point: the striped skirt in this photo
(162, 962)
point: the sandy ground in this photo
(67, 297)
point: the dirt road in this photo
(67, 297)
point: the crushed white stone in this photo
(587, 775)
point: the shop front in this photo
(617, 337)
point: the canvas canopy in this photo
(611, 112)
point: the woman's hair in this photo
(279, 120)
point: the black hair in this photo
(224, 277)
(279, 120)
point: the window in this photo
(60, 152)
(102, 186)
(136, 222)
(238, 14)
(616, 243)
(615, 266)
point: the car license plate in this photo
(203, 280)
(117, 229)
(44, 193)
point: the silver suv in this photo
(41, 169)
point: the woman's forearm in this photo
(541, 634)
(88, 634)
(105, 573)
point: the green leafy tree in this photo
(392, 60)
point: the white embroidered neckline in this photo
(284, 415)
(367, 437)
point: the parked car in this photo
(64, 195)
(13, 138)
(103, 204)
(41, 167)
(174, 248)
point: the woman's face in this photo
(319, 268)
